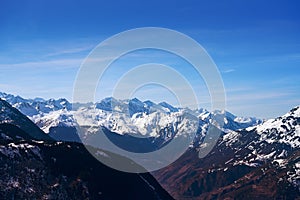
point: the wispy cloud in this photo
(226, 71)
(73, 50)
(49, 64)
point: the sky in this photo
(255, 45)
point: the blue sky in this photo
(255, 44)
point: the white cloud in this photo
(228, 71)
(49, 64)
(71, 50)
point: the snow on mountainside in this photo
(284, 129)
(54, 119)
(31, 107)
(273, 141)
(259, 161)
(270, 140)
(121, 116)
(231, 122)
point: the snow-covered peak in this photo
(133, 106)
(228, 120)
(31, 107)
(275, 141)
(11, 98)
(54, 119)
(149, 103)
(168, 107)
(107, 104)
(280, 123)
(136, 106)
(284, 129)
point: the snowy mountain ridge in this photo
(121, 116)
(258, 161)
(274, 141)
(284, 129)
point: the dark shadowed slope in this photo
(11, 115)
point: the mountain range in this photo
(252, 158)
(34, 166)
(134, 117)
